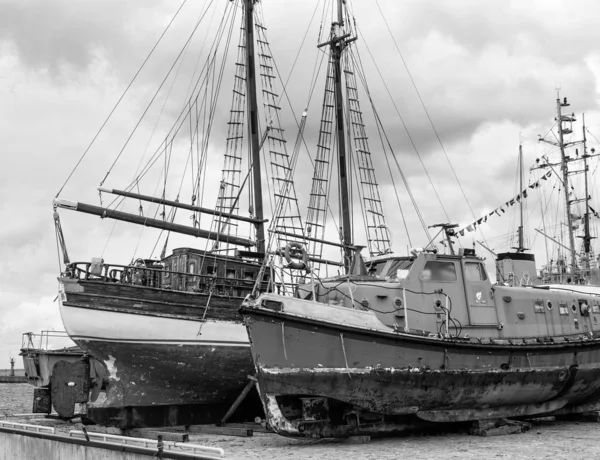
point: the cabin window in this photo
(584, 308)
(438, 271)
(538, 306)
(210, 270)
(595, 306)
(474, 272)
(230, 273)
(563, 309)
(192, 268)
(397, 268)
(248, 275)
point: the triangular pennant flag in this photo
(491, 213)
(462, 232)
(512, 202)
(496, 211)
(502, 209)
(519, 197)
(549, 174)
(470, 228)
(479, 221)
(485, 218)
(524, 193)
(545, 177)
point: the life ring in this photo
(296, 247)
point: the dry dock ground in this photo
(546, 440)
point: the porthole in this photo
(574, 308)
(398, 302)
(549, 305)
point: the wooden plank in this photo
(255, 427)
(222, 430)
(167, 435)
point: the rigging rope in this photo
(427, 114)
(155, 95)
(121, 98)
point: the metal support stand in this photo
(252, 381)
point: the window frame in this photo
(431, 279)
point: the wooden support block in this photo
(223, 430)
(105, 429)
(154, 433)
(255, 427)
(358, 440)
(502, 430)
(498, 427)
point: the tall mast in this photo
(565, 175)
(586, 235)
(338, 44)
(253, 125)
(520, 246)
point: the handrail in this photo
(146, 442)
(27, 427)
(119, 269)
(28, 339)
(160, 278)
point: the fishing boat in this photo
(56, 372)
(397, 342)
(167, 329)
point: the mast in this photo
(338, 44)
(586, 229)
(253, 126)
(520, 246)
(565, 176)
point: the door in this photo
(482, 311)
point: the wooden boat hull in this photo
(162, 358)
(378, 381)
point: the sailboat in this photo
(168, 330)
(410, 341)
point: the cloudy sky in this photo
(487, 73)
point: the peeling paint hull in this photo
(395, 380)
(163, 367)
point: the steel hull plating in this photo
(159, 359)
(407, 379)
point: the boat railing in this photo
(31, 341)
(157, 277)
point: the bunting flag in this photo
(500, 209)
